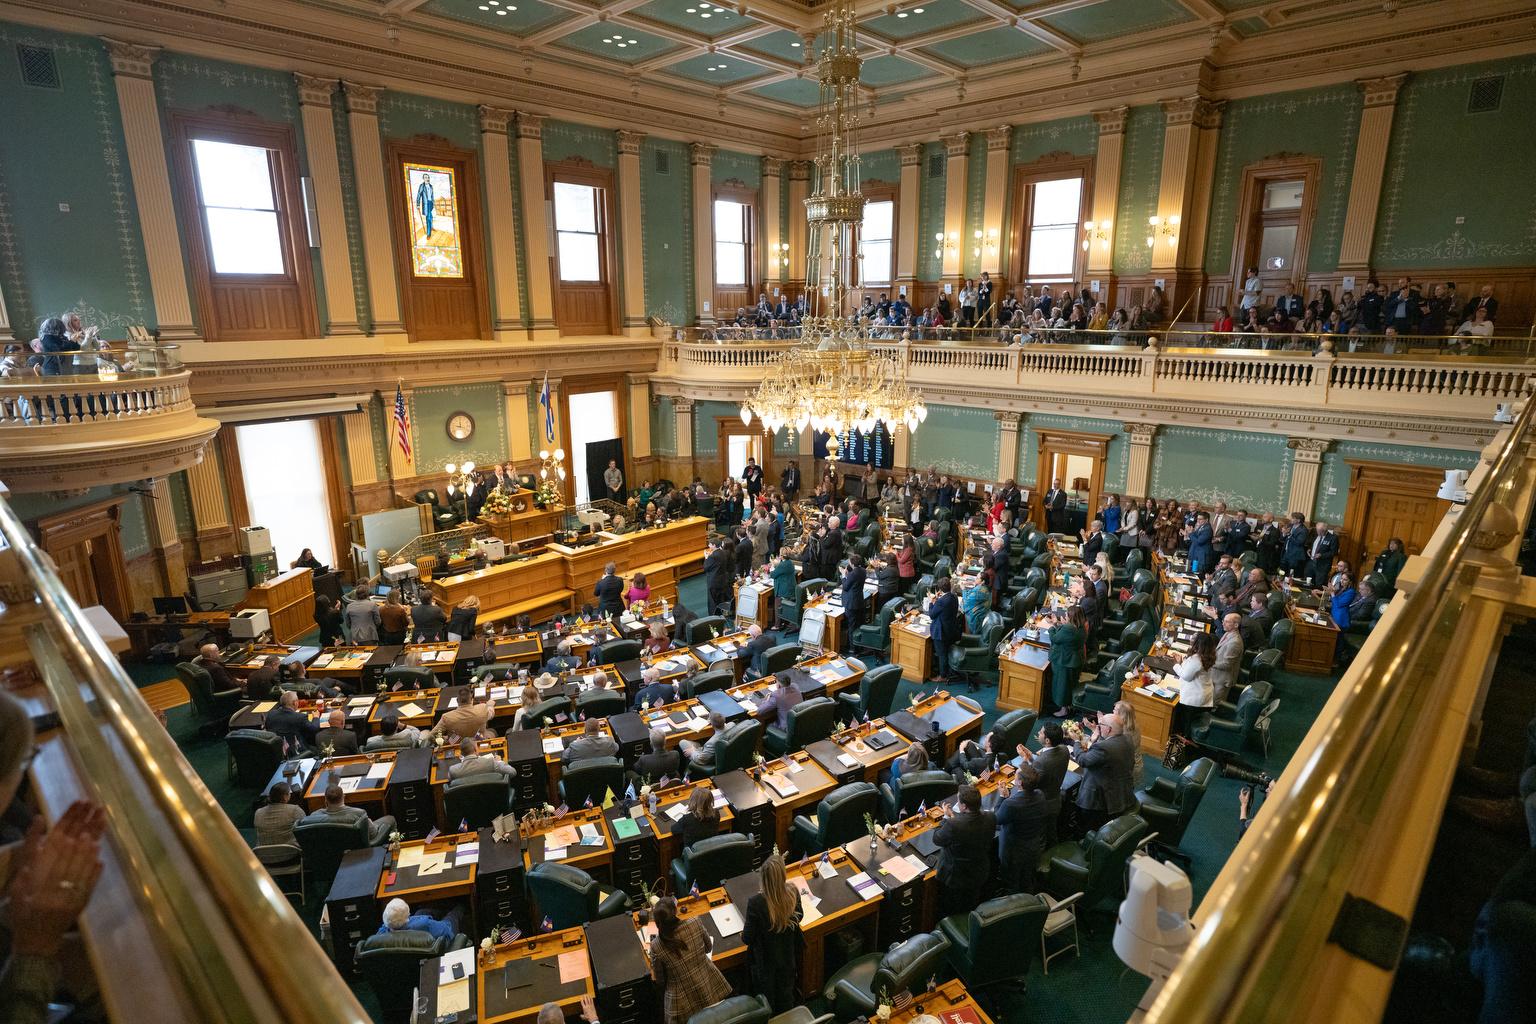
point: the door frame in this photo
(579, 171)
(1050, 443)
(569, 386)
(1368, 478)
(731, 426)
(1013, 261)
(1280, 167)
(99, 521)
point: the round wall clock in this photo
(460, 426)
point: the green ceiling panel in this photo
(715, 70)
(783, 44)
(521, 18)
(889, 70)
(1249, 26)
(988, 46)
(706, 19)
(1239, 5)
(604, 40)
(936, 15)
(1114, 18)
(798, 92)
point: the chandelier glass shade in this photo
(835, 380)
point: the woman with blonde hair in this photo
(1132, 731)
(461, 624)
(772, 935)
(914, 760)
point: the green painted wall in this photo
(706, 439)
(1076, 135)
(963, 441)
(133, 531)
(975, 203)
(65, 146)
(883, 165)
(666, 221)
(930, 214)
(729, 165)
(663, 428)
(352, 214)
(382, 427)
(786, 442)
(430, 409)
(1334, 476)
(1320, 122)
(1245, 470)
(564, 141)
(1433, 212)
(1141, 170)
(403, 115)
(1029, 447)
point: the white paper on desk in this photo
(795, 767)
(453, 998)
(847, 762)
(750, 705)
(676, 811)
(380, 770)
(357, 712)
(359, 702)
(698, 723)
(918, 864)
(554, 853)
(480, 690)
(349, 784)
(410, 857)
(727, 920)
(553, 745)
(826, 869)
(637, 811)
(866, 887)
(264, 707)
(808, 911)
(412, 710)
(453, 702)
(433, 863)
(464, 958)
(497, 692)
(589, 831)
(718, 797)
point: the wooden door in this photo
(85, 544)
(435, 204)
(1053, 443)
(582, 261)
(74, 565)
(1389, 500)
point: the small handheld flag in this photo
(433, 834)
(588, 802)
(630, 794)
(608, 798)
(922, 806)
(546, 925)
(463, 824)
(510, 936)
(694, 891)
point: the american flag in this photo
(694, 891)
(402, 422)
(433, 834)
(901, 1001)
(463, 824)
(547, 402)
(510, 936)
(588, 802)
(547, 925)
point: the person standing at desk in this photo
(853, 595)
(1023, 820)
(609, 592)
(680, 964)
(772, 935)
(1068, 638)
(394, 620)
(362, 618)
(1106, 790)
(430, 622)
(965, 853)
(1055, 508)
(328, 619)
(945, 626)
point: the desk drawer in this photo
(900, 915)
(630, 1003)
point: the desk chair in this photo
(709, 682)
(876, 636)
(1227, 730)
(1062, 916)
(733, 752)
(703, 628)
(324, 842)
(543, 713)
(391, 964)
(780, 657)
(735, 1010)
(254, 755)
(838, 818)
(710, 861)
(590, 779)
(809, 721)
(790, 609)
(1168, 805)
(211, 708)
(856, 987)
(596, 703)
(995, 943)
(1095, 865)
(974, 656)
(902, 795)
(569, 897)
(615, 651)
(476, 799)
(875, 695)
(410, 677)
(1011, 729)
(1103, 691)
(283, 861)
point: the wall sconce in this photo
(1096, 233)
(1161, 228)
(987, 241)
(783, 254)
(947, 243)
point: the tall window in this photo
(577, 224)
(237, 189)
(733, 236)
(1280, 220)
(1051, 249)
(875, 237)
(285, 491)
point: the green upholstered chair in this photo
(704, 628)
(996, 942)
(708, 681)
(1228, 727)
(876, 636)
(476, 799)
(780, 657)
(710, 861)
(211, 707)
(615, 651)
(595, 703)
(323, 843)
(1263, 667)
(1095, 864)
(1137, 609)
(974, 656)
(1111, 547)
(1144, 581)
(255, 755)
(543, 713)
(809, 721)
(903, 794)
(875, 695)
(1103, 690)
(1011, 729)
(735, 1010)
(409, 677)
(857, 987)
(1136, 638)
(1167, 805)
(838, 818)
(733, 752)
(590, 779)
(390, 962)
(1135, 559)
(570, 897)
(442, 515)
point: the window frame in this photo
(747, 198)
(1251, 218)
(1055, 167)
(597, 234)
(881, 192)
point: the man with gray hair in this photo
(550, 1013)
(1107, 760)
(658, 761)
(564, 660)
(703, 756)
(472, 762)
(362, 618)
(653, 692)
(398, 918)
(336, 809)
(1229, 655)
(336, 735)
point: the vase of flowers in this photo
(497, 507)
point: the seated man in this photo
(703, 754)
(563, 661)
(592, 743)
(398, 918)
(208, 660)
(653, 692)
(393, 736)
(471, 718)
(471, 762)
(776, 708)
(275, 819)
(336, 809)
(299, 681)
(285, 720)
(756, 646)
(658, 761)
(336, 735)
(262, 683)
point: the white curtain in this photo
(593, 418)
(285, 488)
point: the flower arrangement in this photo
(637, 609)
(548, 494)
(497, 503)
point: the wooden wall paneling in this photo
(1386, 500)
(86, 545)
(336, 492)
(1514, 287)
(234, 477)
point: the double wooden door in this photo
(1388, 500)
(85, 545)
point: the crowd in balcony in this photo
(64, 345)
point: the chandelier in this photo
(835, 380)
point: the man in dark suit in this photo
(658, 761)
(1256, 623)
(789, 480)
(965, 852)
(1402, 307)
(1292, 305)
(945, 628)
(1485, 302)
(1012, 499)
(1269, 543)
(1321, 551)
(1239, 533)
(1107, 761)
(997, 560)
(262, 682)
(984, 299)
(743, 552)
(208, 660)
(1051, 762)
(719, 569)
(1055, 508)
(752, 479)
(336, 735)
(1023, 819)
(852, 595)
(1045, 302)
(609, 592)
(887, 579)
(431, 625)
(1094, 542)
(296, 730)
(1293, 558)
(758, 644)
(653, 692)
(832, 548)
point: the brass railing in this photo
(1266, 926)
(222, 928)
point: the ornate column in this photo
(908, 203)
(160, 518)
(901, 445)
(514, 394)
(1106, 194)
(373, 206)
(1307, 458)
(639, 416)
(682, 412)
(1008, 424)
(133, 77)
(631, 234)
(1138, 470)
(1370, 164)
(1184, 195)
(530, 169)
(774, 267)
(701, 155)
(996, 198)
(799, 189)
(507, 320)
(325, 175)
(358, 429)
(957, 148)
(401, 465)
(210, 508)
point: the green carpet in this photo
(1094, 988)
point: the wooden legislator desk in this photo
(534, 587)
(1314, 641)
(519, 979)
(517, 527)
(912, 648)
(1022, 677)
(289, 599)
(372, 772)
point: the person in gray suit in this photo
(472, 763)
(336, 809)
(593, 743)
(393, 736)
(1229, 655)
(1050, 761)
(1107, 761)
(362, 618)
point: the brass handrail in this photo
(1288, 873)
(223, 925)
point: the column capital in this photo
(362, 99)
(773, 167)
(911, 154)
(131, 60)
(1381, 92)
(315, 90)
(1196, 110)
(1009, 419)
(701, 154)
(494, 120)
(997, 138)
(530, 126)
(628, 142)
(1112, 120)
(958, 144)
(681, 404)
(1140, 433)
(514, 387)
(1309, 449)
(799, 170)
